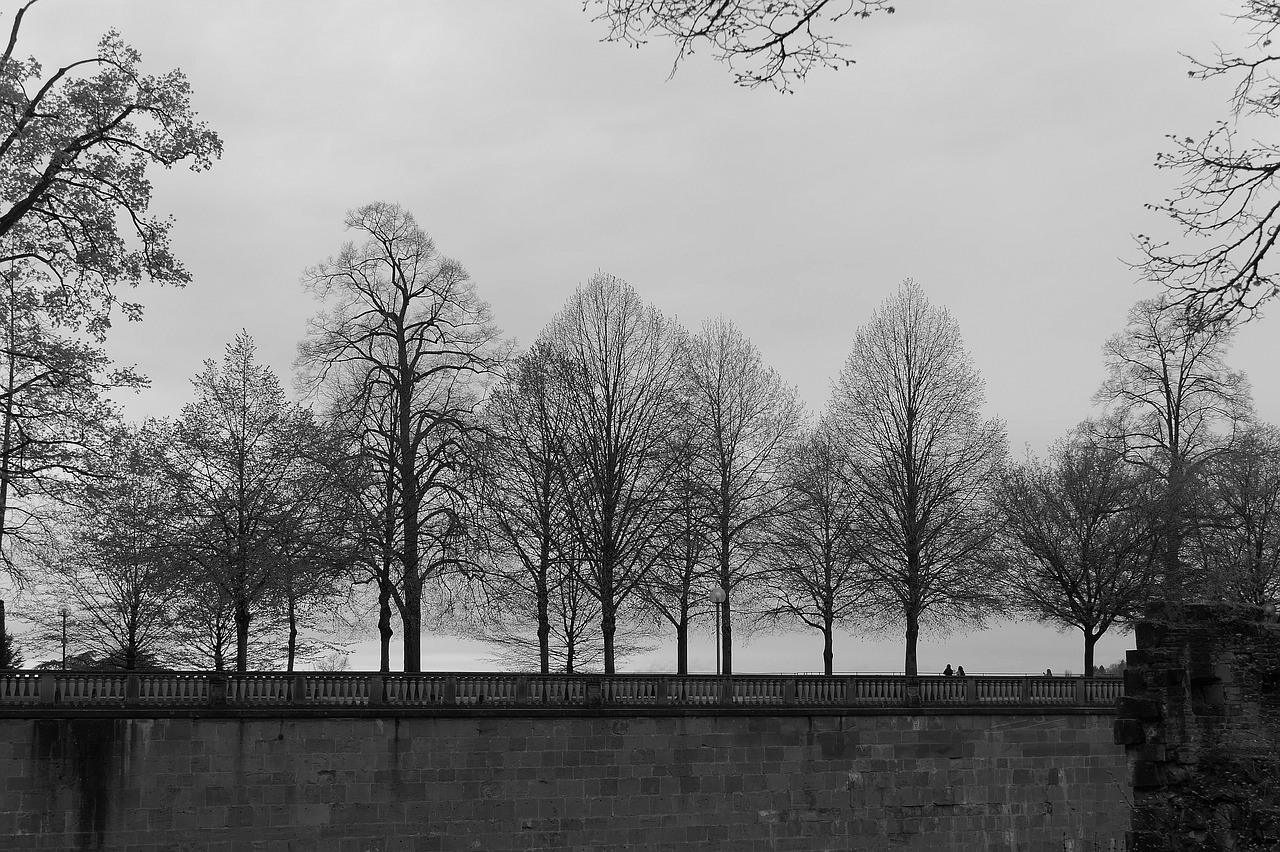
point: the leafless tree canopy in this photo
(746, 419)
(763, 41)
(816, 576)
(402, 345)
(1227, 205)
(1080, 536)
(1171, 397)
(245, 486)
(522, 515)
(907, 406)
(1238, 540)
(623, 372)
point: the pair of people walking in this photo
(947, 672)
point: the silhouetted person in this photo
(947, 671)
(1048, 672)
(960, 671)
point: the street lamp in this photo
(718, 596)
(63, 613)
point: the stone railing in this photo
(177, 690)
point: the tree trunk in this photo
(411, 619)
(828, 656)
(293, 632)
(544, 619)
(913, 637)
(682, 644)
(242, 635)
(411, 498)
(1090, 639)
(6, 448)
(384, 625)
(608, 627)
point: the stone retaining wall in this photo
(492, 780)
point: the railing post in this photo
(376, 696)
(970, 690)
(522, 689)
(132, 688)
(450, 690)
(594, 693)
(217, 690)
(726, 689)
(913, 698)
(48, 688)
(788, 691)
(664, 690)
(850, 691)
(1082, 693)
(298, 690)
(1024, 691)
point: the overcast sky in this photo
(1000, 153)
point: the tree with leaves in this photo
(1078, 533)
(747, 418)
(816, 577)
(907, 408)
(762, 41)
(75, 145)
(407, 340)
(623, 371)
(1173, 404)
(54, 412)
(75, 230)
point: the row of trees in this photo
(657, 462)
(568, 502)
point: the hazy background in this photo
(998, 152)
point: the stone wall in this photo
(491, 780)
(1201, 723)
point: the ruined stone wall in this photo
(1201, 723)
(486, 780)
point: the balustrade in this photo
(438, 689)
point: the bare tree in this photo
(110, 564)
(243, 482)
(406, 333)
(816, 577)
(1227, 206)
(747, 417)
(521, 500)
(1168, 388)
(622, 364)
(907, 406)
(1239, 541)
(763, 41)
(677, 584)
(1079, 534)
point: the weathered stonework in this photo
(892, 780)
(1200, 722)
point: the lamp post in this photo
(718, 596)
